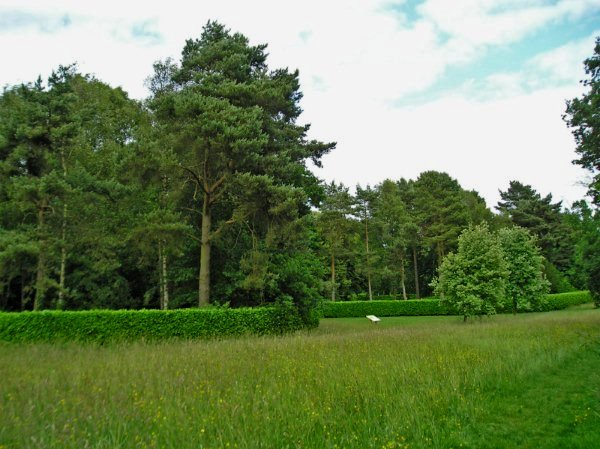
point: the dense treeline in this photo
(391, 238)
(202, 194)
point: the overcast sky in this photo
(475, 88)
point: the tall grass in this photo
(350, 384)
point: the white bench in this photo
(373, 319)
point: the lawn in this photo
(526, 381)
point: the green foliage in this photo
(442, 211)
(587, 260)
(526, 288)
(411, 307)
(433, 307)
(523, 206)
(474, 279)
(594, 284)
(559, 301)
(339, 234)
(582, 115)
(126, 325)
(558, 282)
(230, 123)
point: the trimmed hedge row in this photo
(411, 307)
(420, 307)
(559, 301)
(124, 325)
(365, 297)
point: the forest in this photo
(202, 194)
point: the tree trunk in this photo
(368, 261)
(6, 295)
(417, 292)
(165, 279)
(63, 261)
(402, 279)
(440, 253)
(162, 256)
(204, 276)
(40, 278)
(63, 245)
(161, 282)
(332, 277)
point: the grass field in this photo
(526, 381)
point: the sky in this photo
(474, 88)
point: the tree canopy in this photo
(203, 195)
(583, 117)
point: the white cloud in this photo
(355, 59)
(561, 66)
(482, 144)
(493, 22)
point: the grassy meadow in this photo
(525, 381)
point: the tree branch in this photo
(219, 181)
(195, 176)
(231, 221)
(193, 237)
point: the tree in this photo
(336, 227)
(365, 198)
(473, 280)
(478, 210)
(60, 152)
(526, 208)
(586, 223)
(526, 287)
(227, 119)
(583, 116)
(392, 219)
(27, 155)
(406, 189)
(442, 212)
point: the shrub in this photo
(124, 325)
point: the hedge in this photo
(420, 307)
(559, 301)
(411, 307)
(124, 325)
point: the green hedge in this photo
(559, 301)
(123, 325)
(412, 307)
(420, 307)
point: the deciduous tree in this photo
(474, 279)
(526, 287)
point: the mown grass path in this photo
(530, 380)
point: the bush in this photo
(416, 307)
(125, 325)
